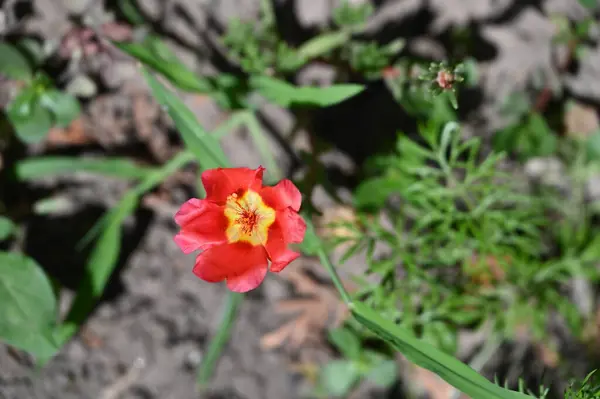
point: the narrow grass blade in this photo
(106, 252)
(205, 146)
(274, 173)
(217, 344)
(452, 370)
(35, 168)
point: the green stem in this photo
(335, 277)
(217, 344)
(262, 144)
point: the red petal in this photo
(203, 224)
(292, 224)
(249, 280)
(221, 182)
(236, 261)
(284, 194)
(284, 259)
(277, 250)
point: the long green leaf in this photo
(218, 342)
(106, 252)
(13, 63)
(28, 306)
(35, 168)
(205, 146)
(274, 172)
(166, 64)
(323, 44)
(287, 95)
(452, 370)
(99, 267)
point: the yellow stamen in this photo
(249, 218)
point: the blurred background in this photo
(509, 287)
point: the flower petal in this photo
(284, 194)
(292, 224)
(277, 249)
(284, 259)
(249, 280)
(203, 224)
(230, 261)
(221, 182)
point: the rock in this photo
(459, 13)
(392, 12)
(152, 9)
(581, 120)
(316, 75)
(82, 86)
(548, 171)
(312, 13)
(76, 7)
(572, 9)
(592, 189)
(586, 83)
(525, 50)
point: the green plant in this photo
(465, 243)
(38, 105)
(589, 388)
(339, 377)
(529, 137)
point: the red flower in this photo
(240, 227)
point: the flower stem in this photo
(335, 277)
(218, 342)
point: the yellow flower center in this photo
(249, 218)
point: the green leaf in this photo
(130, 10)
(374, 192)
(590, 4)
(311, 245)
(543, 140)
(30, 120)
(13, 63)
(205, 147)
(592, 251)
(287, 95)
(28, 306)
(384, 374)
(7, 228)
(105, 254)
(338, 377)
(452, 370)
(35, 168)
(323, 44)
(439, 333)
(64, 107)
(99, 267)
(33, 49)
(160, 59)
(593, 146)
(347, 342)
(408, 148)
(274, 172)
(452, 98)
